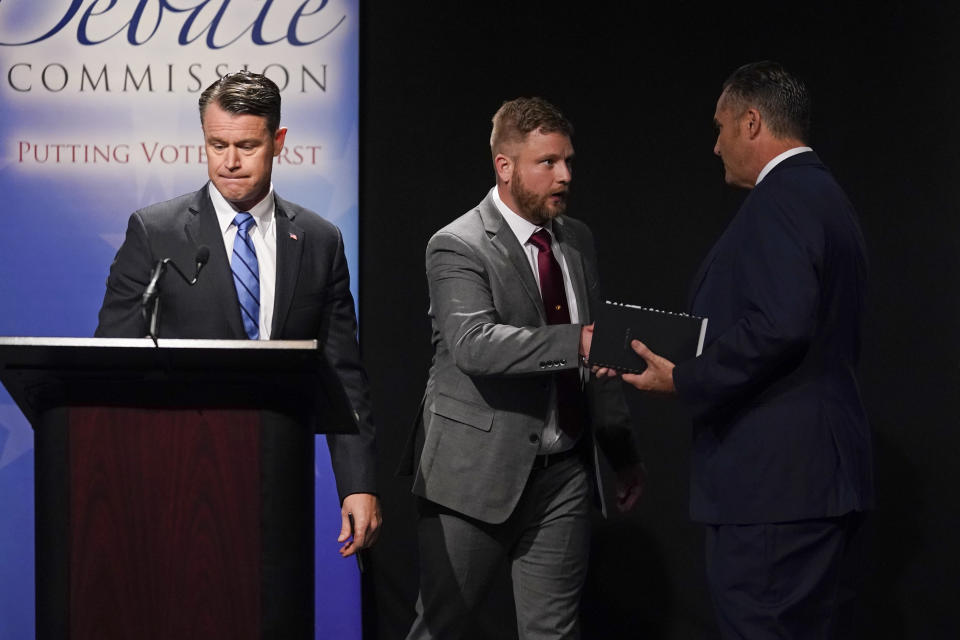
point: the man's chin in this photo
(543, 215)
(242, 199)
(730, 180)
(555, 210)
(232, 191)
(735, 182)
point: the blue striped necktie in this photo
(246, 274)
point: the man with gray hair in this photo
(782, 466)
(506, 439)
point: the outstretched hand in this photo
(658, 376)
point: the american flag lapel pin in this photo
(293, 236)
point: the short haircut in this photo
(515, 119)
(781, 98)
(247, 93)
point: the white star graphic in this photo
(19, 434)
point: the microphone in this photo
(150, 300)
(203, 254)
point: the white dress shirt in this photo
(264, 236)
(778, 159)
(552, 439)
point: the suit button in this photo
(534, 438)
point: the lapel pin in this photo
(293, 236)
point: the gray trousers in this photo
(546, 540)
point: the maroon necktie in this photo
(569, 397)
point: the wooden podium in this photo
(174, 483)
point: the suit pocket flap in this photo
(470, 414)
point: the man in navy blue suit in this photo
(781, 460)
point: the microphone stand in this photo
(150, 300)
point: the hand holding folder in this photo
(629, 337)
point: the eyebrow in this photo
(545, 156)
(213, 139)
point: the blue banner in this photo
(98, 117)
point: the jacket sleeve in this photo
(353, 456)
(480, 343)
(120, 315)
(776, 268)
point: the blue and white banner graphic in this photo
(98, 117)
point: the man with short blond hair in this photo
(507, 436)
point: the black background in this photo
(640, 82)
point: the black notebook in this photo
(675, 336)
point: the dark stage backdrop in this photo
(640, 83)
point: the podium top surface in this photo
(43, 372)
(162, 343)
(16, 348)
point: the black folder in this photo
(675, 336)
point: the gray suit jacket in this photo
(486, 398)
(312, 301)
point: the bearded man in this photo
(504, 450)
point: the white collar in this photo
(780, 158)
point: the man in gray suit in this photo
(510, 421)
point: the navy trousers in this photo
(782, 580)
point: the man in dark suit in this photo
(275, 271)
(509, 424)
(781, 461)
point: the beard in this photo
(535, 207)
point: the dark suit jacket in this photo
(312, 301)
(780, 432)
(487, 397)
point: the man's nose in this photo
(564, 172)
(232, 158)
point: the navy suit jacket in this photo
(312, 300)
(780, 433)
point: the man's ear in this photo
(278, 139)
(503, 165)
(752, 122)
